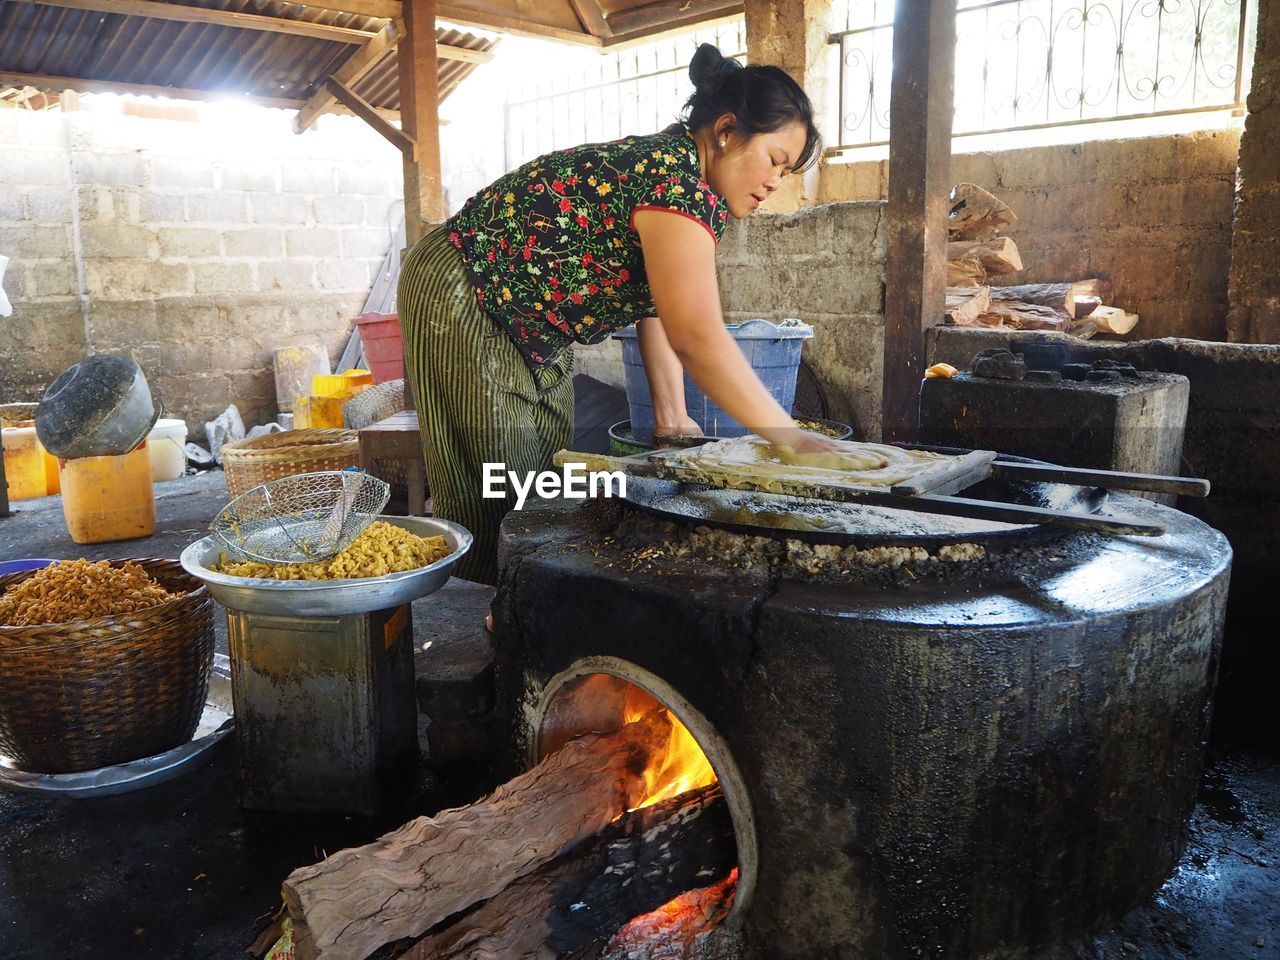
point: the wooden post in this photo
(921, 105)
(419, 117)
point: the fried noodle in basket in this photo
(80, 590)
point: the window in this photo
(1025, 64)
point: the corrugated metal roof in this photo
(60, 42)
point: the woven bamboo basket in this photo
(93, 693)
(249, 463)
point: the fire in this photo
(680, 920)
(682, 768)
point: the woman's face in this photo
(745, 172)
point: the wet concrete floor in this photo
(179, 871)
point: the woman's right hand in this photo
(801, 441)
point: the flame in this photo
(682, 768)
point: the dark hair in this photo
(761, 99)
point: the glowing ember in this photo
(681, 920)
(684, 767)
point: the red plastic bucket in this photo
(383, 346)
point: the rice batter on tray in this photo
(857, 463)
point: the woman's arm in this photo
(665, 373)
(680, 260)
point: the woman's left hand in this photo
(664, 433)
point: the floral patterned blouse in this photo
(552, 249)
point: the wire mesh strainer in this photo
(303, 518)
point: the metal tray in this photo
(216, 725)
(328, 598)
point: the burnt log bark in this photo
(576, 904)
(402, 884)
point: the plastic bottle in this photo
(108, 498)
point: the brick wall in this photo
(195, 248)
(1151, 215)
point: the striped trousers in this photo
(478, 401)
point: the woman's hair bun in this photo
(709, 67)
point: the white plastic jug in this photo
(167, 444)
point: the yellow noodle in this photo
(382, 549)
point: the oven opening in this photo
(692, 765)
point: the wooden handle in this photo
(1148, 482)
(592, 462)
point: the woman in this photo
(573, 246)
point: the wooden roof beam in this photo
(501, 22)
(366, 112)
(669, 15)
(222, 18)
(360, 63)
(591, 17)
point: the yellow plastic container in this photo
(23, 463)
(108, 498)
(52, 483)
(316, 412)
(327, 385)
(357, 380)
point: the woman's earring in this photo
(723, 142)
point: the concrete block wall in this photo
(1152, 215)
(195, 248)
(825, 266)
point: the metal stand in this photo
(325, 711)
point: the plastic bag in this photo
(226, 427)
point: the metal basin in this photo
(327, 598)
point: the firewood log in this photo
(635, 865)
(998, 255)
(1113, 320)
(976, 214)
(966, 304)
(690, 928)
(1081, 307)
(966, 272)
(1024, 316)
(410, 879)
(1075, 299)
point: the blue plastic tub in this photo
(772, 349)
(18, 566)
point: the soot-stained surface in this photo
(180, 871)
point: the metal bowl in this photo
(327, 598)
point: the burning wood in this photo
(402, 884)
(637, 864)
(558, 859)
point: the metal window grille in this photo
(638, 90)
(1024, 64)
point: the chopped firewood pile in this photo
(584, 857)
(976, 252)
